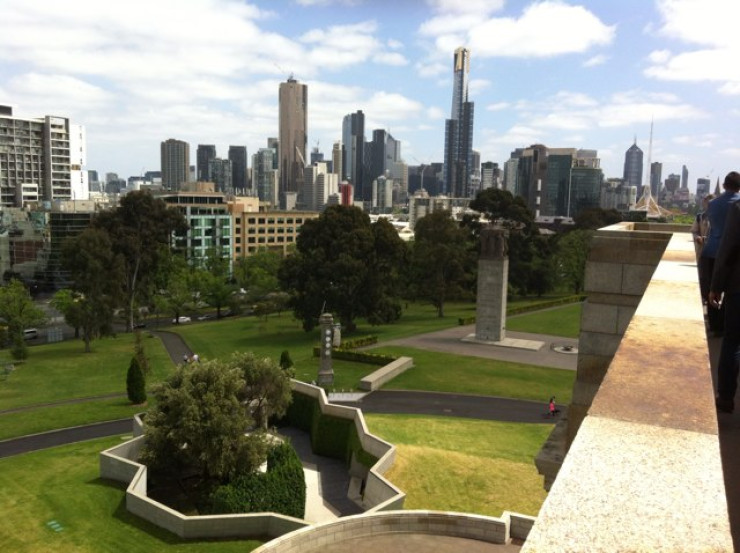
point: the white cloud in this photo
(593, 61)
(500, 106)
(544, 29)
(394, 44)
(390, 58)
(329, 2)
(431, 69)
(435, 112)
(469, 6)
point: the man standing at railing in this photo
(717, 214)
(724, 291)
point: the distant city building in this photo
(673, 183)
(615, 194)
(319, 184)
(703, 187)
(265, 175)
(346, 194)
(239, 172)
(458, 160)
(41, 159)
(511, 168)
(633, 167)
(353, 154)
(273, 230)
(293, 100)
(656, 178)
(204, 154)
(219, 173)
(316, 155)
(175, 159)
(336, 159)
(684, 177)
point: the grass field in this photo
(558, 321)
(474, 466)
(443, 372)
(60, 488)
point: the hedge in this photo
(282, 489)
(330, 436)
(532, 307)
(358, 356)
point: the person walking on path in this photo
(724, 290)
(717, 213)
(553, 410)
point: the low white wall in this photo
(460, 525)
(120, 463)
(388, 372)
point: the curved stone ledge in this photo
(435, 523)
(119, 463)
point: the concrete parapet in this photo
(643, 470)
(459, 525)
(388, 372)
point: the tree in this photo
(441, 259)
(20, 313)
(199, 423)
(177, 287)
(94, 271)
(66, 301)
(285, 361)
(214, 283)
(140, 230)
(258, 274)
(342, 264)
(502, 208)
(267, 389)
(596, 217)
(573, 250)
(135, 382)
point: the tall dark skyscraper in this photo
(175, 158)
(459, 131)
(293, 98)
(204, 154)
(353, 155)
(238, 159)
(633, 167)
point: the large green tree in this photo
(572, 254)
(258, 273)
(95, 286)
(442, 259)
(267, 389)
(199, 424)
(140, 229)
(20, 313)
(177, 289)
(346, 265)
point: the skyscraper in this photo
(219, 173)
(293, 99)
(40, 159)
(459, 131)
(238, 158)
(656, 178)
(633, 167)
(175, 159)
(204, 154)
(353, 154)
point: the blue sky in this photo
(588, 74)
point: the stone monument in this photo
(493, 279)
(326, 372)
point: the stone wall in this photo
(643, 471)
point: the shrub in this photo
(285, 361)
(135, 383)
(282, 489)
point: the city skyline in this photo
(584, 75)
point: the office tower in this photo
(486, 175)
(320, 183)
(633, 168)
(316, 155)
(204, 154)
(239, 174)
(220, 174)
(684, 177)
(353, 154)
(293, 99)
(336, 159)
(673, 183)
(264, 175)
(40, 159)
(656, 177)
(382, 154)
(175, 157)
(458, 164)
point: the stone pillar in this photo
(326, 373)
(493, 279)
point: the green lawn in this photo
(464, 465)
(61, 371)
(558, 321)
(443, 372)
(61, 486)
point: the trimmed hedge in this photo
(360, 342)
(358, 356)
(330, 436)
(532, 307)
(282, 489)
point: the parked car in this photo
(181, 319)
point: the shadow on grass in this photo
(159, 534)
